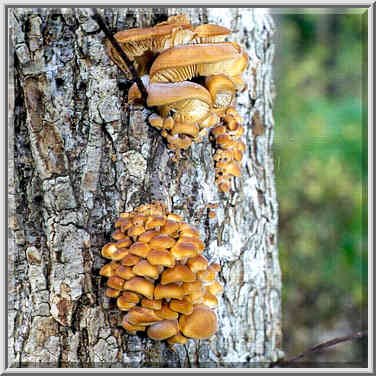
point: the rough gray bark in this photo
(78, 156)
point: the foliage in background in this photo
(320, 156)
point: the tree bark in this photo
(79, 155)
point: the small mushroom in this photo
(161, 257)
(166, 313)
(112, 293)
(124, 272)
(130, 328)
(170, 291)
(222, 90)
(115, 282)
(139, 249)
(147, 236)
(145, 269)
(197, 263)
(162, 242)
(182, 306)
(151, 303)
(141, 286)
(141, 316)
(200, 324)
(163, 330)
(177, 339)
(210, 33)
(179, 273)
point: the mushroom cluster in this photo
(160, 277)
(230, 148)
(173, 53)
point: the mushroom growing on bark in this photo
(186, 108)
(190, 105)
(187, 61)
(142, 44)
(171, 288)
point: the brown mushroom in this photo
(136, 230)
(115, 282)
(142, 44)
(215, 288)
(187, 61)
(190, 101)
(123, 304)
(118, 235)
(155, 221)
(177, 339)
(130, 260)
(163, 329)
(124, 272)
(221, 89)
(112, 293)
(139, 249)
(210, 33)
(184, 250)
(189, 231)
(161, 242)
(209, 299)
(147, 236)
(145, 269)
(200, 324)
(124, 242)
(151, 303)
(123, 223)
(161, 257)
(141, 316)
(182, 306)
(141, 286)
(130, 328)
(107, 270)
(108, 250)
(197, 263)
(170, 291)
(130, 297)
(166, 313)
(179, 273)
(170, 228)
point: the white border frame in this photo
(215, 3)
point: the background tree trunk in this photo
(78, 156)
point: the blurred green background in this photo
(321, 173)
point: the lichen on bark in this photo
(79, 155)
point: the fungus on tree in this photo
(170, 290)
(170, 54)
(185, 62)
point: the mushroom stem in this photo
(96, 16)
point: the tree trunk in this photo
(79, 155)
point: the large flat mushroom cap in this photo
(160, 94)
(183, 55)
(138, 34)
(200, 324)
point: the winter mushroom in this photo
(200, 324)
(163, 330)
(141, 286)
(161, 276)
(187, 61)
(221, 89)
(142, 44)
(210, 33)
